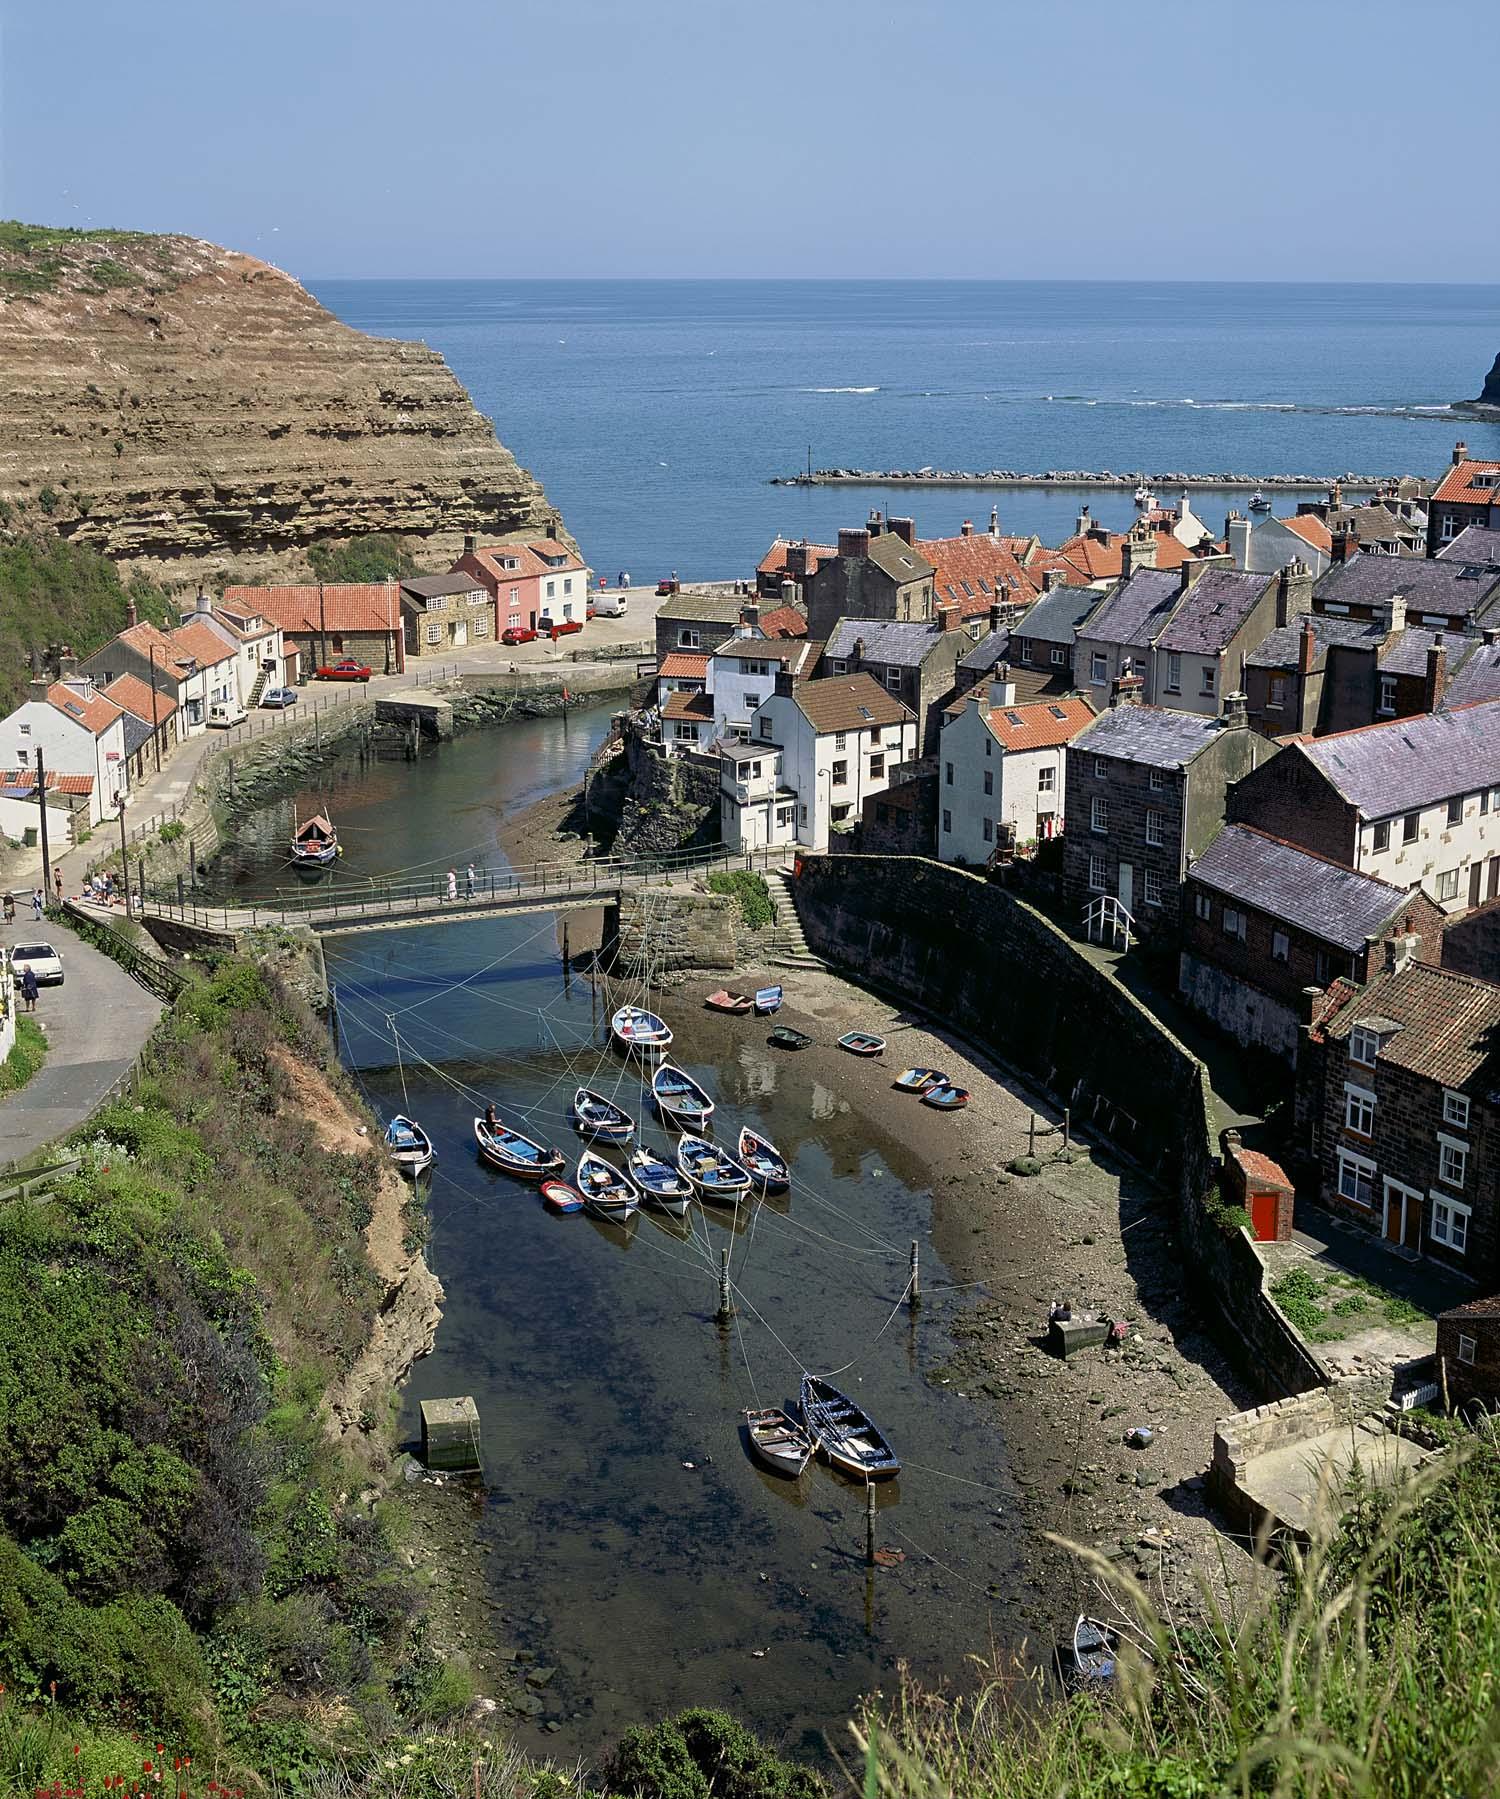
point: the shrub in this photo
(26, 1057)
(703, 1754)
(750, 890)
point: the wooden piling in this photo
(726, 1302)
(869, 1524)
(914, 1290)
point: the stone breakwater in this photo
(1168, 481)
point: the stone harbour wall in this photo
(679, 929)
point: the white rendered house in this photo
(1002, 770)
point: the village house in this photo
(980, 573)
(1264, 919)
(1146, 787)
(149, 722)
(1476, 546)
(681, 671)
(877, 572)
(330, 621)
(254, 642)
(1044, 639)
(817, 751)
(783, 573)
(1264, 547)
(700, 621)
(190, 665)
(1412, 800)
(1099, 553)
(902, 821)
(1003, 772)
(442, 613)
(1396, 1106)
(743, 670)
(1468, 1353)
(1469, 494)
(528, 579)
(1437, 594)
(915, 661)
(76, 730)
(69, 807)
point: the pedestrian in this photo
(29, 987)
(453, 883)
(36, 905)
(625, 580)
(57, 882)
(621, 581)
(469, 882)
(10, 907)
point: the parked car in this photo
(224, 713)
(514, 634)
(43, 961)
(558, 627)
(346, 669)
(611, 605)
(665, 587)
(277, 699)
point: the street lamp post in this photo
(124, 859)
(155, 734)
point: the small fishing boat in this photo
(1089, 1659)
(767, 1166)
(862, 1043)
(679, 1098)
(784, 1037)
(1144, 498)
(946, 1098)
(918, 1080)
(767, 999)
(634, 1028)
(658, 1183)
(408, 1145)
(713, 1171)
(558, 1196)
(606, 1192)
(778, 1441)
(1259, 502)
(600, 1118)
(845, 1432)
(512, 1153)
(725, 1001)
(315, 843)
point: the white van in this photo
(611, 605)
(224, 713)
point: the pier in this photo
(1068, 480)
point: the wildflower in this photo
(146, 1767)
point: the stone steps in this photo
(789, 947)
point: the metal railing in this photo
(426, 896)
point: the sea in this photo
(656, 412)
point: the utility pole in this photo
(155, 733)
(41, 800)
(124, 857)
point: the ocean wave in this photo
(1326, 409)
(839, 390)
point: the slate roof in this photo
(1477, 545)
(1056, 616)
(1283, 648)
(1377, 526)
(1449, 1023)
(900, 642)
(900, 560)
(1478, 677)
(345, 606)
(136, 732)
(1154, 736)
(1137, 608)
(993, 647)
(849, 703)
(1212, 610)
(1330, 902)
(1409, 763)
(1406, 653)
(1428, 585)
(434, 587)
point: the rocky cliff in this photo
(1489, 394)
(191, 412)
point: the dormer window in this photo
(1364, 1045)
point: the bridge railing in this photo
(340, 897)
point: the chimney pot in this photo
(1345, 543)
(468, 543)
(854, 543)
(1460, 452)
(967, 528)
(906, 530)
(1307, 648)
(1236, 714)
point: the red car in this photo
(558, 627)
(514, 634)
(346, 669)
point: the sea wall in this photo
(997, 972)
(677, 930)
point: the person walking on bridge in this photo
(453, 883)
(469, 882)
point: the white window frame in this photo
(1101, 768)
(1232, 924)
(1098, 669)
(1210, 684)
(1157, 780)
(1098, 875)
(1451, 1219)
(1359, 1110)
(1203, 906)
(1448, 884)
(1356, 1169)
(1387, 706)
(1059, 656)
(1458, 1150)
(1360, 1039)
(1467, 1345)
(1174, 672)
(1046, 780)
(1155, 835)
(1152, 885)
(1456, 1108)
(1099, 816)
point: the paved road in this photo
(96, 1023)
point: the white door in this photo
(460, 633)
(1127, 887)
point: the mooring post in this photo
(1067, 1127)
(914, 1294)
(869, 1524)
(140, 879)
(726, 1306)
(1031, 1137)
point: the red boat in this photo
(725, 1001)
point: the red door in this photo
(1263, 1217)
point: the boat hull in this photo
(641, 1032)
(558, 1196)
(861, 1043)
(607, 1194)
(778, 1442)
(672, 1194)
(768, 1000)
(679, 1099)
(600, 1118)
(734, 1004)
(946, 1099)
(412, 1155)
(764, 1162)
(845, 1434)
(518, 1163)
(918, 1080)
(716, 1177)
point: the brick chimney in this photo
(1436, 683)
(906, 530)
(37, 689)
(1138, 550)
(796, 560)
(997, 615)
(859, 649)
(1307, 647)
(876, 522)
(1294, 585)
(1128, 688)
(967, 528)
(854, 543)
(948, 616)
(1345, 544)
(1051, 578)
(132, 617)
(1460, 452)
(784, 682)
(468, 543)
(750, 616)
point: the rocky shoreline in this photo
(1171, 482)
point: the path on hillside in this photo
(96, 1023)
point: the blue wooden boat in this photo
(713, 1171)
(767, 1166)
(606, 1192)
(408, 1145)
(634, 1028)
(767, 999)
(918, 1080)
(558, 1196)
(845, 1433)
(658, 1183)
(600, 1118)
(512, 1153)
(862, 1043)
(946, 1098)
(679, 1098)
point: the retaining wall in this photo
(993, 968)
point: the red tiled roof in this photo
(142, 637)
(23, 780)
(696, 708)
(1448, 1021)
(489, 555)
(685, 665)
(133, 695)
(95, 713)
(1040, 725)
(1262, 1168)
(345, 606)
(783, 621)
(986, 563)
(1311, 529)
(774, 560)
(1458, 484)
(1101, 560)
(201, 643)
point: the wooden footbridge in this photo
(337, 903)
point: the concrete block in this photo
(1064, 1336)
(450, 1434)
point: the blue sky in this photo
(1076, 138)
